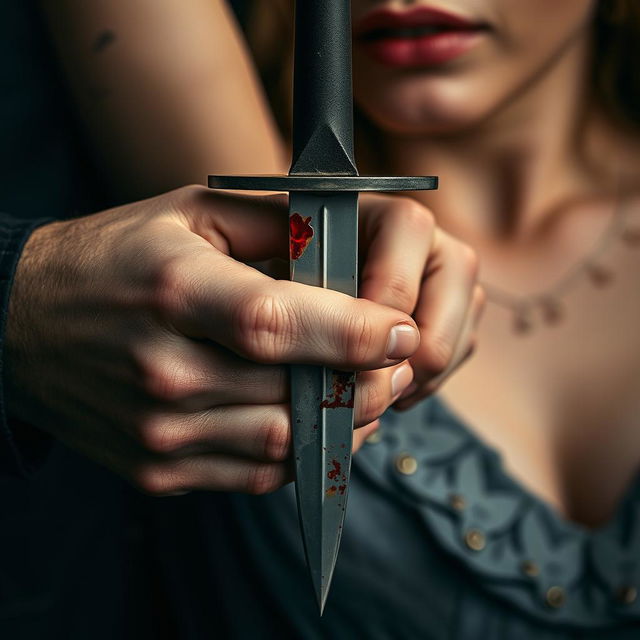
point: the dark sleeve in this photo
(18, 455)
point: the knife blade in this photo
(322, 400)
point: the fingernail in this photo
(400, 380)
(403, 341)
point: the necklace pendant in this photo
(600, 276)
(552, 312)
(522, 323)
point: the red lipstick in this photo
(418, 37)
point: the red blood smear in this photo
(335, 472)
(341, 392)
(330, 492)
(300, 234)
(342, 488)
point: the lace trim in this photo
(514, 543)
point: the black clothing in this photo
(84, 556)
(74, 563)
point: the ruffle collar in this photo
(516, 545)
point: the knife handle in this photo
(322, 94)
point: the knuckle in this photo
(359, 337)
(274, 438)
(374, 403)
(165, 383)
(262, 325)
(398, 290)
(436, 355)
(414, 214)
(161, 436)
(470, 260)
(479, 299)
(154, 480)
(262, 479)
(190, 195)
(169, 286)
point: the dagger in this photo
(323, 185)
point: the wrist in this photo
(20, 449)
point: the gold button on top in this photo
(457, 501)
(556, 597)
(374, 438)
(406, 464)
(530, 569)
(627, 594)
(475, 539)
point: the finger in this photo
(161, 475)
(464, 346)
(466, 342)
(214, 472)
(249, 228)
(271, 322)
(463, 351)
(258, 432)
(211, 472)
(190, 375)
(445, 299)
(396, 239)
(360, 435)
(377, 390)
(254, 432)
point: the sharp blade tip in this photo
(321, 589)
(322, 598)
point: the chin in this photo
(439, 109)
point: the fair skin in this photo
(542, 171)
(155, 83)
(528, 180)
(140, 337)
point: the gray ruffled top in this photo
(514, 544)
(439, 543)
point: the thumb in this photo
(248, 228)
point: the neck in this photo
(504, 178)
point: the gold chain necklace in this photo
(546, 306)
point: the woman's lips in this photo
(416, 38)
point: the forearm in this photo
(14, 458)
(166, 89)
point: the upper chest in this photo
(560, 401)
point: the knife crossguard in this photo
(323, 183)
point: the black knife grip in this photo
(322, 96)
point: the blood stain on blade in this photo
(336, 471)
(341, 394)
(300, 235)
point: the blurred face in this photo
(438, 66)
